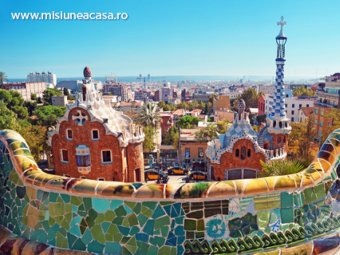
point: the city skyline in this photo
(229, 38)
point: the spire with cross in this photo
(281, 23)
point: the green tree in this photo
(222, 126)
(207, 133)
(334, 123)
(250, 96)
(301, 139)
(3, 78)
(49, 93)
(47, 115)
(7, 117)
(149, 144)
(187, 121)
(303, 91)
(280, 167)
(14, 102)
(30, 106)
(34, 97)
(35, 136)
(170, 137)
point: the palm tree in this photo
(280, 167)
(149, 116)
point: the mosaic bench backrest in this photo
(132, 218)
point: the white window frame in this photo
(101, 155)
(62, 157)
(92, 134)
(68, 138)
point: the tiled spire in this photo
(278, 121)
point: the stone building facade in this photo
(93, 141)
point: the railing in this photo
(276, 153)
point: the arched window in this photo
(237, 153)
(249, 153)
(274, 123)
(243, 153)
(280, 124)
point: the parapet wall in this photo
(195, 218)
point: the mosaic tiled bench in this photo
(48, 214)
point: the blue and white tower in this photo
(277, 121)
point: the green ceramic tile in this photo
(286, 200)
(132, 220)
(164, 221)
(97, 233)
(189, 224)
(101, 205)
(287, 215)
(309, 196)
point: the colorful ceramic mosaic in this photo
(229, 217)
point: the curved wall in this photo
(137, 218)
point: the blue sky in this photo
(172, 37)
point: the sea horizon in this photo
(188, 78)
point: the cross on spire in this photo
(282, 23)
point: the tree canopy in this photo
(49, 93)
(171, 137)
(47, 115)
(149, 144)
(250, 96)
(187, 121)
(14, 102)
(303, 91)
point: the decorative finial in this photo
(281, 23)
(87, 72)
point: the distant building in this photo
(204, 97)
(142, 95)
(305, 113)
(294, 104)
(59, 100)
(221, 103)
(72, 85)
(266, 89)
(122, 91)
(261, 105)
(322, 120)
(221, 108)
(167, 121)
(191, 149)
(94, 141)
(26, 89)
(47, 77)
(166, 93)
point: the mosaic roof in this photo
(115, 122)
